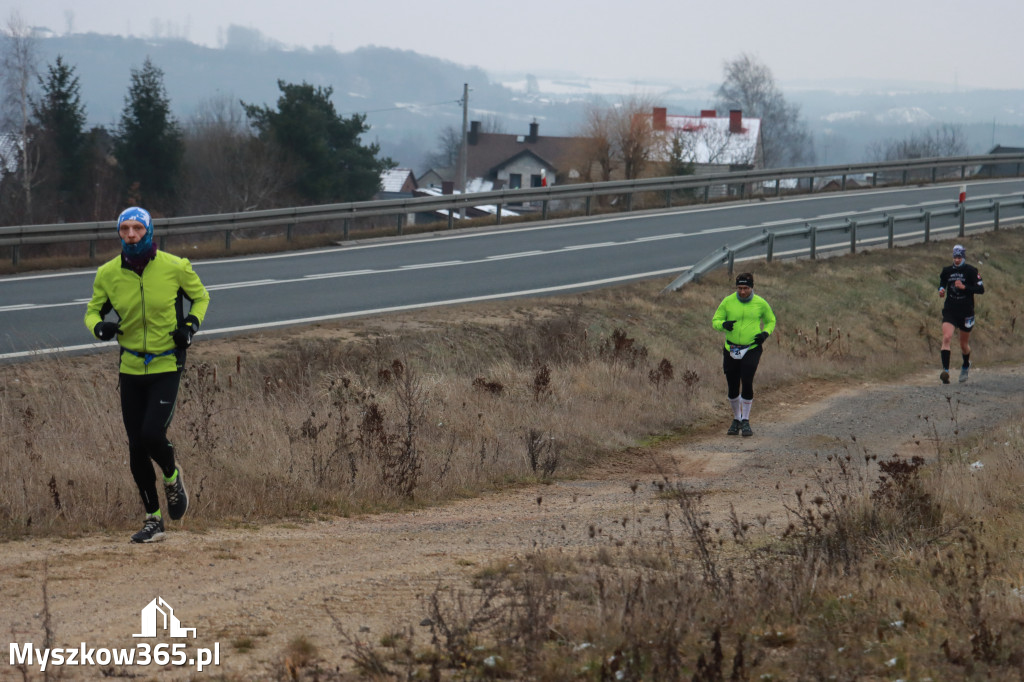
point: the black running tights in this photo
(741, 373)
(147, 406)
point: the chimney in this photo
(473, 136)
(447, 187)
(735, 121)
(533, 132)
(660, 118)
(708, 113)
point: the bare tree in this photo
(634, 136)
(226, 168)
(748, 85)
(940, 140)
(446, 154)
(707, 144)
(598, 152)
(18, 71)
(620, 136)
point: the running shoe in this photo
(963, 372)
(177, 498)
(734, 429)
(152, 530)
(944, 375)
(745, 428)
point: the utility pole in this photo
(463, 151)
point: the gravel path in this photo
(252, 590)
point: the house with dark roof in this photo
(997, 170)
(517, 161)
(508, 161)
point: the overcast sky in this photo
(961, 43)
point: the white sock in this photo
(745, 408)
(735, 402)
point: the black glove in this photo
(104, 331)
(183, 335)
(760, 338)
(728, 325)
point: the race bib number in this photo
(737, 352)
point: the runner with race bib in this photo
(747, 321)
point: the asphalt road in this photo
(42, 313)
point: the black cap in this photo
(745, 279)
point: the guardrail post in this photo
(227, 240)
(288, 232)
(731, 261)
(629, 202)
(743, 190)
(707, 193)
(163, 242)
(874, 179)
(771, 247)
(842, 186)
(92, 249)
(995, 210)
(498, 215)
(963, 218)
(451, 218)
(544, 210)
(588, 205)
(904, 177)
(814, 241)
(810, 185)
(15, 254)
(935, 171)
(668, 198)
(778, 186)
(400, 222)
(345, 225)
(963, 172)
(853, 236)
(927, 226)
(891, 227)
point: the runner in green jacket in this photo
(747, 321)
(147, 290)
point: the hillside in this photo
(409, 98)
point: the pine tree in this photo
(333, 165)
(149, 146)
(62, 139)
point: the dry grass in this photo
(889, 570)
(418, 409)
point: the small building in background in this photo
(1001, 170)
(397, 183)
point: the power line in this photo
(411, 106)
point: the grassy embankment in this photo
(913, 579)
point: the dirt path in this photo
(253, 590)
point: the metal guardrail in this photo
(853, 225)
(749, 183)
